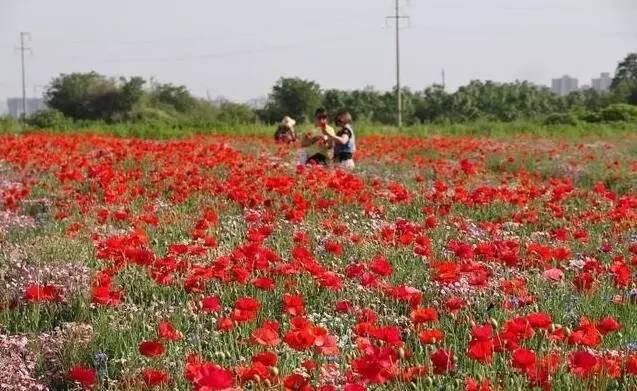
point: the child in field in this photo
(344, 141)
(316, 143)
(285, 133)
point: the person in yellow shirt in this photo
(317, 144)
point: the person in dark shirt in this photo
(344, 141)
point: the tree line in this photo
(93, 97)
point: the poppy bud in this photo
(257, 378)
(401, 353)
(267, 383)
(568, 331)
(494, 323)
(221, 355)
(429, 381)
(275, 371)
(472, 323)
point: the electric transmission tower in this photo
(397, 17)
(22, 49)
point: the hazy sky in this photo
(238, 48)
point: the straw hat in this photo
(288, 122)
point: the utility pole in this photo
(397, 18)
(22, 49)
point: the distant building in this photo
(603, 82)
(33, 105)
(564, 85)
(584, 87)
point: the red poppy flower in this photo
(296, 382)
(608, 324)
(211, 304)
(631, 364)
(212, 377)
(424, 315)
(245, 309)
(473, 385)
(154, 377)
(83, 375)
(300, 339)
(431, 336)
(165, 330)
(151, 349)
(583, 363)
(225, 324)
(333, 247)
(381, 266)
(267, 335)
(523, 359)
(442, 361)
(105, 295)
(377, 365)
(293, 304)
(454, 304)
(344, 306)
(41, 293)
(539, 320)
(268, 359)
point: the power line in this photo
(397, 18)
(22, 49)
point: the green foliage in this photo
(9, 124)
(624, 86)
(295, 97)
(626, 70)
(560, 119)
(50, 119)
(619, 112)
(235, 113)
(177, 98)
(91, 96)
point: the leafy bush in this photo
(560, 119)
(9, 124)
(50, 119)
(592, 117)
(619, 112)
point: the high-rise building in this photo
(603, 82)
(33, 105)
(564, 85)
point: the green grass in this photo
(480, 128)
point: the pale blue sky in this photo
(238, 48)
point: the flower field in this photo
(215, 263)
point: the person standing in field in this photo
(316, 143)
(344, 141)
(285, 133)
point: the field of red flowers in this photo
(215, 263)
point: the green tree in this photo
(624, 85)
(235, 113)
(76, 95)
(295, 97)
(433, 104)
(91, 96)
(171, 96)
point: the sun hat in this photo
(288, 122)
